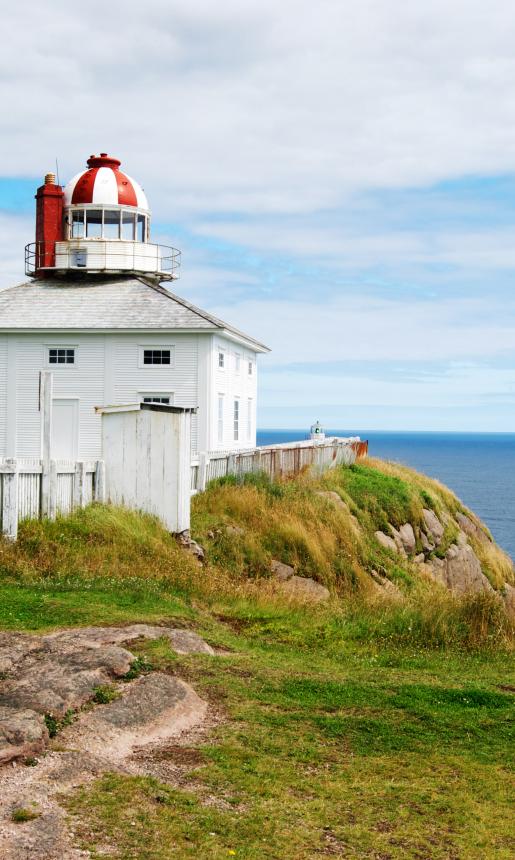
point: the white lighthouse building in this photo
(95, 313)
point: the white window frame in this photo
(154, 346)
(142, 393)
(250, 412)
(236, 419)
(221, 354)
(63, 365)
(237, 363)
(250, 367)
(220, 416)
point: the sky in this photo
(339, 176)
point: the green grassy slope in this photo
(363, 728)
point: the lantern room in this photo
(98, 224)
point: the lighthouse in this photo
(99, 224)
(97, 315)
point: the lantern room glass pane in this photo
(77, 226)
(94, 223)
(128, 226)
(111, 224)
(141, 235)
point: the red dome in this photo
(104, 183)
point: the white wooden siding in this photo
(3, 395)
(233, 384)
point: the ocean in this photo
(478, 467)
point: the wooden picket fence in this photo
(276, 460)
(30, 489)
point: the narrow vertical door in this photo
(65, 429)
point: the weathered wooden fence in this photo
(275, 460)
(30, 489)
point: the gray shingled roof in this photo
(92, 304)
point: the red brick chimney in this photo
(49, 224)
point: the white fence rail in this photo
(275, 460)
(30, 489)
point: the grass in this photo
(330, 747)
(369, 728)
(22, 814)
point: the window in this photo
(220, 426)
(128, 226)
(141, 233)
(156, 356)
(250, 368)
(77, 228)
(111, 225)
(221, 360)
(249, 419)
(157, 398)
(237, 362)
(236, 420)
(93, 223)
(61, 355)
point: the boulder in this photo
(463, 570)
(191, 546)
(386, 541)
(398, 540)
(460, 570)
(23, 733)
(433, 526)
(420, 558)
(306, 588)
(508, 595)
(187, 642)
(234, 531)
(407, 536)
(471, 529)
(427, 545)
(281, 571)
(332, 496)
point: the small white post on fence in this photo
(52, 490)
(231, 464)
(203, 463)
(99, 485)
(10, 500)
(79, 485)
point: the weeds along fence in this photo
(276, 460)
(30, 489)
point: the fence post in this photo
(231, 463)
(52, 490)
(10, 501)
(79, 485)
(279, 460)
(99, 482)
(203, 462)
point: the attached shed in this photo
(147, 454)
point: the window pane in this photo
(94, 223)
(141, 232)
(61, 355)
(77, 230)
(128, 220)
(111, 225)
(156, 356)
(165, 401)
(221, 359)
(236, 420)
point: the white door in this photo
(65, 428)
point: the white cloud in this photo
(356, 327)
(259, 106)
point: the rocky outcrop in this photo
(434, 527)
(298, 586)
(471, 529)
(58, 673)
(460, 570)
(408, 539)
(386, 541)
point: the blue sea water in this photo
(478, 467)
